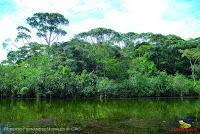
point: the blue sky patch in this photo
(7, 7)
(189, 8)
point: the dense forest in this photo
(100, 63)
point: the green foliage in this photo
(142, 65)
(48, 26)
(23, 34)
(104, 87)
(193, 55)
(97, 35)
(181, 85)
(86, 84)
(94, 64)
(23, 91)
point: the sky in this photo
(180, 17)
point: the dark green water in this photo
(92, 116)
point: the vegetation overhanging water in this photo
(100, 63)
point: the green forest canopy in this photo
(99, 63)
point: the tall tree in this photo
(49, 26)
(23, 34)
(97, 35)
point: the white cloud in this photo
(159, 16)
(150, 16)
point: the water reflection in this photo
(111, 116)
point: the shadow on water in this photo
(93, 116)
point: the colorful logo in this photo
(185, 126)
(183, 122)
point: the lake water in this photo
(93, 116)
